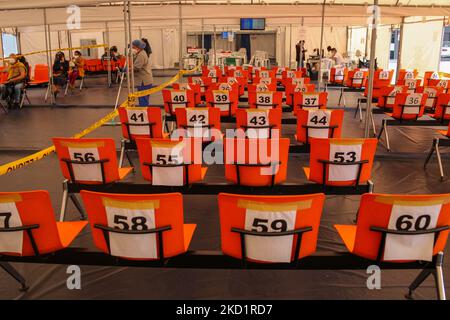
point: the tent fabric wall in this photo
(383, 43)
(357, 41)
(421, 47)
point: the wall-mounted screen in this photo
(253, 24)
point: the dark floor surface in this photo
(399, 171)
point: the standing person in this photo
(300, 53)
(337, 57)
(143, 77)
(60, 72)
(76, 68)
(17, 74)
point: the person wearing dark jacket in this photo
(60, 73)
(300, 53)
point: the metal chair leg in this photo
(439, 277)
(373, 124)
(386, 135)
(47, 93)
(78, 205)
(122, 153)
(423, 275)
(15, 274)
(438, 154)
(67, 88)
(62, 213)
(430, 153)
(129, 160)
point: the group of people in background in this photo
(67, 71)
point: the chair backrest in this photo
(41, 73)
(255, 219)
(443, 106)
(265, 74)
(430, 75)
(225, 100)
(240, 81)
(265, 99)
(409, 106)
(90, 161)
(201, 123)
(238, 72)
(401, 213)
(432, 95)
(291, 89)
(356, 79)
(279, 72)
(213, 73)
(341, 162)
(143, 122)
(442, 83)
(121, 224)
(167, 162)
(318, 123)
(412, 84)
(382, 79)
(32, 214)
(261, 87)
(191, 86)
(338, 75)
(259, 123)
(174, 99)
(203, 82)
(289, 74)
(310, 100)
(386, 99)
(256, 162)
(406, 75)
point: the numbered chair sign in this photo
(310, 101)
(10, 242)
(298, 82)
(261, 87)
(137, 117)
(168, 154)
(256, 119)
(264, 100)
(348, 153)
(432, 96)
(265, 80)
(411, 84)
(434, 76)
(186, 86)
(179, 99)
(412, 103)
(390, 99)
(321, 120)
(238, 73)
(212, 73)
(197, 122)
(358, 77)
(443, 84)
(339, 75)
(264, 74)
(222, 99)
(409, 75)
(86, 152)
(269, 215)
(136, 216)
(384, 75)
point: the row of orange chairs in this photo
(261, 229)
(99, 65)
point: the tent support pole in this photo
(215, 56)
(19, 44)
(162, 47)
(400, 45)
(290, 45)
(130, 36)
(127, 44)
(442, 42)
(373, 42)
(108, 53)
(366, 49)
(49, 59)
(321, 45)
(69, 42)
(203, 34)
(180, 27)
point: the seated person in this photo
(17, 74)
(76, 68)
(60, 73)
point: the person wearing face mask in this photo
(76, 69)
(17, 74)
(60, 72)
(143, 77)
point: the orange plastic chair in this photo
(261, 87)
(356, 79)
(341, 162)
(264, 73)
(338, 75)
(214, 73)
(238, 72)
(41, 75)
(290, 74)
(291, 89)
(406, 75)
(141, 122)
(310, 100)
(256, 162)
(257, 123)
(295, 81)
(279, 72)
(198, 94)
(430, 76)
(265, 99)
(408, 106)
(432, 95)
(138, 227)
(203, 123)
(241, 82)
(380, 216)
(166, 162)
(382, 79)
(442, 110)
(412, 84)
(174, 99)
(270, 229)
(386, 99)
(28, 226)
(225, 98)
(319, 123)
(202, 82)
(441, 83)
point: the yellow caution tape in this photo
(12, 166)
(60, 49)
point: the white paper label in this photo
(411, 218)
(264, 100)
(138, 117)
(179, 99)
(10, 218)
(168, 176)
(310, 101)
(86, 172)
(344, 153)
(270, 249)
(318, 118)
(412, 103)
(199, 119)
(255, 120)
